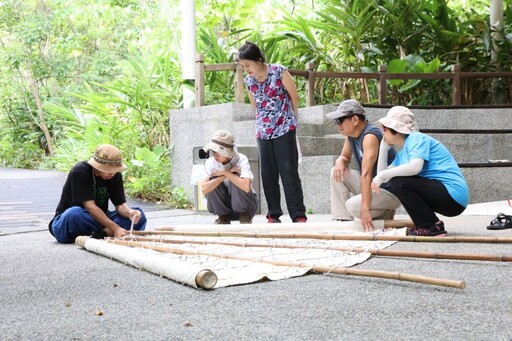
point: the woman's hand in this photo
(375, 188)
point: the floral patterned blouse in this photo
(274, 109)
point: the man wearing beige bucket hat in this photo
(83, 206)
(423, 175)
(228, 184)
(361, 145)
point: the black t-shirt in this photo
(81, 185)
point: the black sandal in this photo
(501, 222)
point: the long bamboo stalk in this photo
(315, 268)
(376, 252)
(312, 226)
(447, 239)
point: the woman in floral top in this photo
(273, 93)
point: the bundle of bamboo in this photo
(211, 256)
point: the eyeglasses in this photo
(340, 120)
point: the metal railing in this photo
(311, 76)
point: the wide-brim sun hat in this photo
(347, 108)
(400, 119)
(223, 142)
(107, 159)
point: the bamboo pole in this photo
(315, 268)
(206, 279)
(376, 252)
(317, 226)
(451, 239)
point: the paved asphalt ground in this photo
(51, 291)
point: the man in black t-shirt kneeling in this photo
(83, 206)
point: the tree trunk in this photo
(496, 25)
(42, 121)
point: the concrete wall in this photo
(321, 143)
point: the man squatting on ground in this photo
(362, 141)
(83, 206)
(228, 186)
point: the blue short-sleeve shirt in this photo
(439, 164)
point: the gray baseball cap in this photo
(347, 108)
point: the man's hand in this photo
(223, 172)
(340, 171)
(366, 221)
(236, 170)
(218, 173)
(120, 232)
(135, 216)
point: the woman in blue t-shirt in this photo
(273, 94)
(424, 175)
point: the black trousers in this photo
(422, 198)
(279, 159)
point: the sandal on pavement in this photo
(501, 222)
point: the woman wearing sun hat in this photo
(424, 175)
(83, 206)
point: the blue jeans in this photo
(76, 221)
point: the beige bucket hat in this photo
(223, 142)
(400, 119)
(108, 159)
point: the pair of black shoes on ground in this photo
(501, 222)
(244, 218)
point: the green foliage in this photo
(402, 90)
(18, 148)
(50, 48)
(179, 198)
(216, 51)
(148, 175)
(130, 112)
(104, 77)
(360, 35)
(225, 25)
